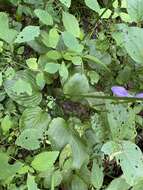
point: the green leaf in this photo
(71, 42)
(30, 138)
(76, 85)
(60, 135)
(134, 43)
(23, 98)
(67, 3)
(31, 184)
(135, 10)
(97, 174)
(63, 71)
(44, 16)
(78, 183)
(22, 86)
(8, 170)
(52, 67)
(139, 186)
(32, 63)
(40, 80)
(96, 60)
(6, 34)
(118, 184)
(51, 39)
(130, 158)
(53, 55)
(34, 118)
(93, 4)
(72, 26)
(6, 124)
(45, 160)
(121, 121)
(28, 34)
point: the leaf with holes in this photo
(130, 158)
(34, 118)
(28, 34)
(30, 139)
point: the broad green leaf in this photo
(76, 85)
(44, 16)
(21, 87)
(135, 10)
(30, 138)
(32, 63)
(130, 158)
(6, 34)
(45, 160)
(67, 3)
(121, 121)
(8, 170)
(118, 184)
(93, 4)
(6, 124)
(78, 184)
(23, 98)
(71, 24)
(34, 118)
(51, 39)
(134, 43)
(28, 34)
(52, 67)
(97, 174)
(31, 184)
(60, 135)
(71, 42)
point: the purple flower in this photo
(122, 92)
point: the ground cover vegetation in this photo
(71, 95)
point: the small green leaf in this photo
(51, 39)
(31, 184)
(52, 67)
(78, 183)
(72, 26)
(71, 42)
(67, 3)
(44, 16)
(6, 34)
(32, 63)
(63, 71)
(28, 34)
(6, 124)
(45, 160)
(93, 4)
(76, 60)
(40, 80)
(97, 175)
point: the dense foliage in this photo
(71, 78)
